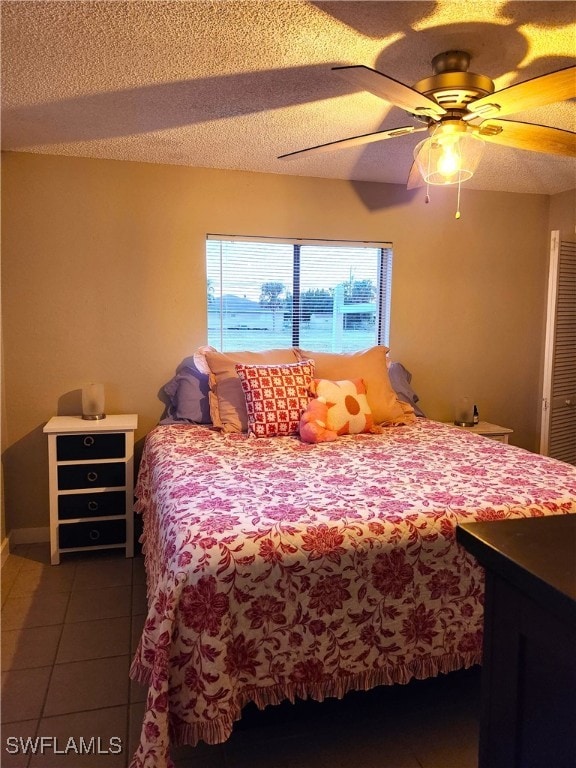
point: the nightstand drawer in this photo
(91, 505)
(91, 476)
(94, 534)
(88, 447)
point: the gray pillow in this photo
(400, 379)
(187, 395)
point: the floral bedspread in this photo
(278, 569)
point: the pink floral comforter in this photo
(278, 569)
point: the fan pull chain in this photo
(427, 198)
(458, 200)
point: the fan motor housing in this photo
(455, 90)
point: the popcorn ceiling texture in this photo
(235, 84)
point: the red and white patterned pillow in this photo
(276, 396)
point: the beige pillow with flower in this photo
(369, 365)
(348, 410)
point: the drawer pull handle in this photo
(92, 506)
(88, 441)
(92, 476)
(94, 534)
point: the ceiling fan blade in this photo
(391, 90)
(546, 89)
(537, 138)
(356, 141)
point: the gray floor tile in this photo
(12, 564)
(23, 693)
(6, 581)
(94, 639)
(100, 573)
(104, 733)
(34, 610)
(43, 578)
(136, 719)
(372, 747)
(36, 553)
(137, 692)
(252, 751)
(138, 570)
(138, 621)
(92, 604)
(202, 756)
(30, 647)
(446, 742)
(83, 685)
(16, 749)
(10, 570)
(139, 604)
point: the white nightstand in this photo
(91, 469)
(486, 429)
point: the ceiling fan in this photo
(460, 111)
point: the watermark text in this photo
(41, 745)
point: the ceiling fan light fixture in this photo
(448, 157)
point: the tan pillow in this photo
(370, 365)
(227, 401)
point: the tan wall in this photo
(104, 278)
(563, 214)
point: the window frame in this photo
(383, 278)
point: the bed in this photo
(281, 570)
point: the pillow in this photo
(187, 395)
(348, 410)
(276, 396)
(369, 365)
(312, 427)
(227, 403)
(400, 379)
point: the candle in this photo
(93, 401)
(464, 412)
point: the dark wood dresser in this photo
(528, 715)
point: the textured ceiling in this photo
(235, 84)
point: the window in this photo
(321, 295)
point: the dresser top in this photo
(112, 423)
(536, 554)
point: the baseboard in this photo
(29, 536)
(4, 550)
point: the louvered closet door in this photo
(559, 402)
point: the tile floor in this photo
(68, 633)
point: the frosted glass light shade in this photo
(93, 401)
(448, 158)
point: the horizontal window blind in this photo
(321, 295)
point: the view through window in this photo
(320, 295)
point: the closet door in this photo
(558, 433)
